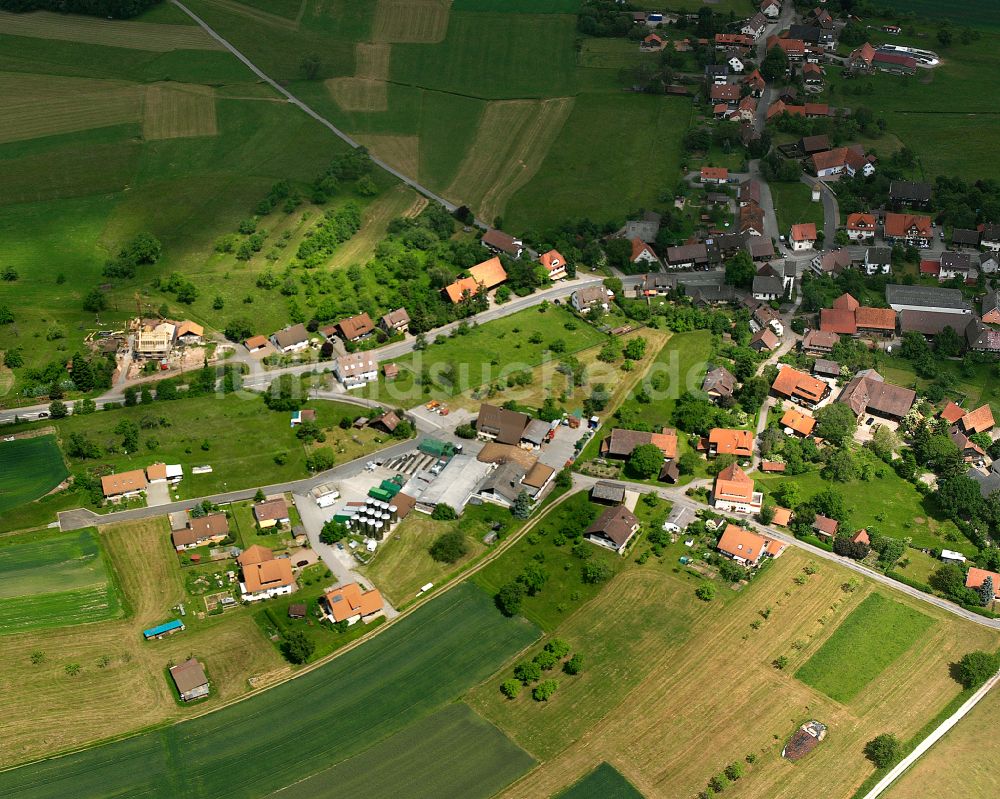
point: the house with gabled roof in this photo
(976, 577)
(909, 229)
(719, 383)
(733, 492)
(613, 529)
(819, 342)
(291, 339)
(978, 421)
(713, 174)
(861, 60)
(990, 308)
(264, 576)
(861, 227)
(746, 547)
(397, 321)
(802, 236)
(351, 604)
(500, 242)
(770, 9)
(797, 422)
(554, 264)
(621, 442)
(756, 83)
(642, 253)
(356, 328)
(590, 297)
(754, 26)
(803, 389)
(869, 393)
(726, 441)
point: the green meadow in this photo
(29, 468)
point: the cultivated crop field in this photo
(29, 468)
(510, 143)
(54, 581)
(692, 703)
(399, 677)
(963, 763)
(176, 111)
(453, 752)
(868, 641)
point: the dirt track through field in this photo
(377, 216)
(411, 21)
(511, 142)
(717, 697)
(111, 33)
(178, 110)
(40, 105)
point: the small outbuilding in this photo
(190, 679)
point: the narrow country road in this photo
(831, 210)
(315, 115)
(676, 495)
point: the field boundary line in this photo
(314, 114)
(937, 734)
(452, 583)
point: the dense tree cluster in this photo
(118, 9)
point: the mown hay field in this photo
(130, 34)
(29, 468)
(359, 94)
(410, 21)
(174, 111)
(510, 144)
(301, 727)
(37, 106)
(451, 753)
(877, 632)
(698, 702)
(119, 685)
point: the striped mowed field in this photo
(110, 33)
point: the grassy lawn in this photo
(243, 439)
(602, 783)
(866, 643)
(412, 669)
(453, 752)
(29, 468)
(402, 564)
(679, 367)
(793, 205)
(901, 511)
(628, 144)
(473, 357)
(550, 543)
(981, 385)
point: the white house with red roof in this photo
(554, 264)
(642, 253)
(861, 227)
(802, 236)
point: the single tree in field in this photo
(883, 750)
(975, 668)
(509, 598)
